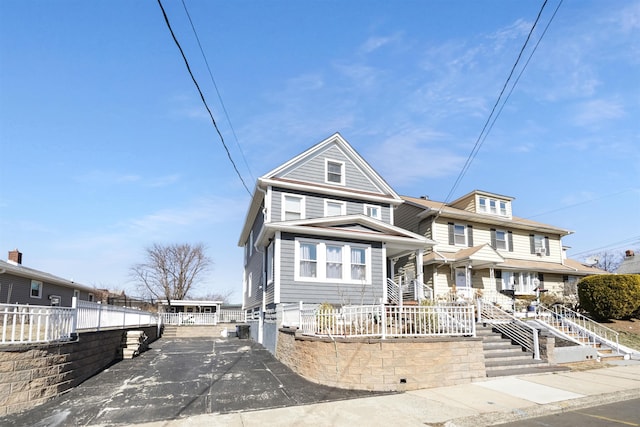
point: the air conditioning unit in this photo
(541, 251)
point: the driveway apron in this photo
(178, 378)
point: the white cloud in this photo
(376, 42)
(597, 112)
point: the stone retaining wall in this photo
(33, 374)
(382, 365)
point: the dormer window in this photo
(492, 206)
(335, 172)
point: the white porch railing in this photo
(25, 324)
(35, 324)
(228, 315)
(390, 321)
(180, 319)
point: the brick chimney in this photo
(629, 253)
(15, 257)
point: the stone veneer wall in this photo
(33, 374)
(382, 365)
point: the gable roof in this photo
(350, 227)
(434, 208)
(284, 177)
(30, 273)
(630, 265)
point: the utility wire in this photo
(622, 243)
(480, 140)
(233, 131)
(204, 101)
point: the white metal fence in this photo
(390, 321)
(22, 324)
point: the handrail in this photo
(393, 292)
(515, 329)
(571, 320)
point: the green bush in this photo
(610, 296)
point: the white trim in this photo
(343, 206)
(303, 201)
(276, 267)
(321, 262)
(370, 206)
(40, 284)
(342, 172)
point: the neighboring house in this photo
(482, 246)
(320, 229)
(23, 285)
(630, 264)
(189, 306)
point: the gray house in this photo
(320, 229)
(23, 285)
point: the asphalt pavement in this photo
(231, 382)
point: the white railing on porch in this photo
(390, 321)
(180, 319)
(26, 324)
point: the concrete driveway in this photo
(178, 378)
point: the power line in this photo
(233, 131)
(195, 82)
(615, 245)
(480, 140)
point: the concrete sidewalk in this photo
(481, 403)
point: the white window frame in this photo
(321, 262)
(342, 204)
(505, 240)
(369, 208)
(270, 264)
(464, 235)
(502, 206)
(249, 284)
(302, 200)
(539, 243)
(482, 204)
(40, 288)
(524, 279)
(327, 162)
(250, 243)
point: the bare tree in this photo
(214, 296)
(171, 271)
(607, 261)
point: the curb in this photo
(493, 418)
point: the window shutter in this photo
(493, 238)
(532, 243)
(510, 237)
(470, 235)
(498, 274)
(541, 278)
(546, 246)
(451, 241)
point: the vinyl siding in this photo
(20, 288)
(406, 216)
(314, 171)
(255, 267)
(313, 292)
(314, 205)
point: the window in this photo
(335, 172)
(91, 297)
(482, 204)
(308, 260)
(459, 235)
(539, 244)
(373, 211)
(334, 262)
(520, 282)
(250, 283)
(251, 243)
(292, 207)
(501, 239)
(328, 261)
(36, 289)
(503, 208)
(358, 264)
(492, 206)
(334, 208)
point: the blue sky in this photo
(106, 147)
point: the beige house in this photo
(482, 246)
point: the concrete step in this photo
(526, 371)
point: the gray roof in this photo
(630, 265)
(30, 273)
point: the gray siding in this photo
(314, 171)
(312, 292)
(17, 290)
(254, 267)
(406, 216)
(314, 205)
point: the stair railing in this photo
(515, 329)
(570, 322)
(393, 292)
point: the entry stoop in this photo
(503, 358)
(134, 343)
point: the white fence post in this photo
(74, 318)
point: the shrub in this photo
(610, 296)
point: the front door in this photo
(463, 284)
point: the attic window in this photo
(36, 289)
(335, 172)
